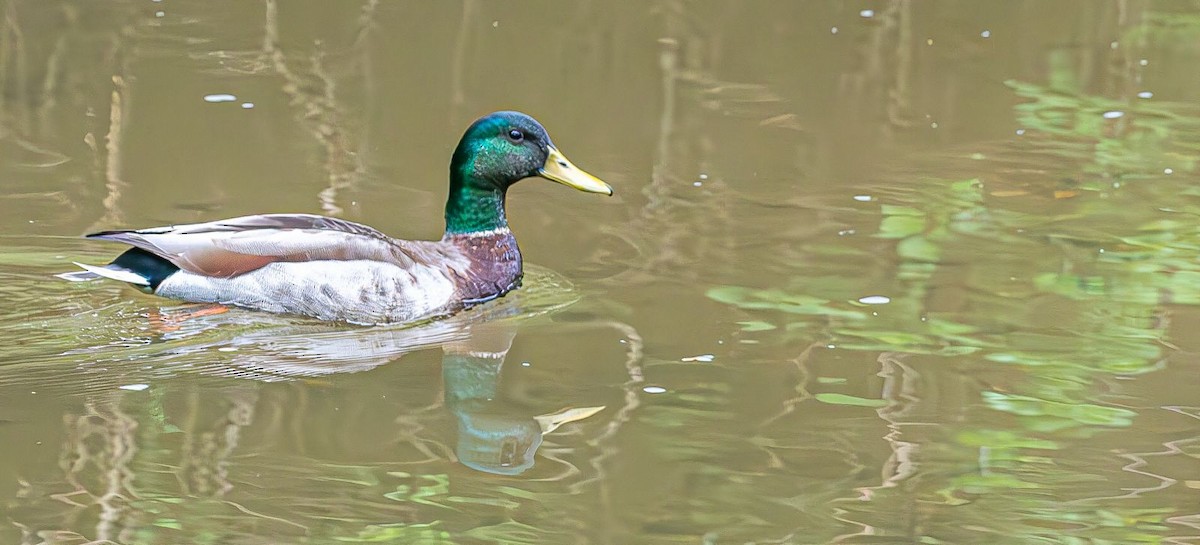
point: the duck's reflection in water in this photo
(494, 435)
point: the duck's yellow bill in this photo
(559, 169)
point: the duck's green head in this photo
(499, 150)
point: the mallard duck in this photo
(334, 269)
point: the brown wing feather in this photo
(235, 246)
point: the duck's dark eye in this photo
(516, 135)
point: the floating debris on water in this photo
(702, 357)
(654, 390)
(134, 387)
(1113, 114)
(220, 97)
(875, 300)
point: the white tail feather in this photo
(116, 273)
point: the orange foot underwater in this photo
(168, 321)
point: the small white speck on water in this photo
(134, 387)
(1144, 62)
(1145, 94)
(867, 13)
(831, 346)
(219, 97)
(1113, 114)
(31, 221)
(701, 358)
(929, 41)
(933, 125)
(1168, 171)
(654, 390)
(1020, 132)
(495, 24)
(703, 176)
(986, 34)
(1116, 185)
(160, 14)
(623, 341)
(697, 183)
(1101, 250)
(525, 364)
(875, 300)
(1114, 45)
(247, 105)
(33, 393)
(862, 198)
(227, 349)
(833, 30)
(846, 232)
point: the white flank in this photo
(116, 274)
(358, 291)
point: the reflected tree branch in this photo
(319, 113)
(114, 185)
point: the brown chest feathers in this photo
(495, 265)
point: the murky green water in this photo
(908, 272)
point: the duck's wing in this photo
(230, 247)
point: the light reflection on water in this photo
(901, 282)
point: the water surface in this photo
(891, 272)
